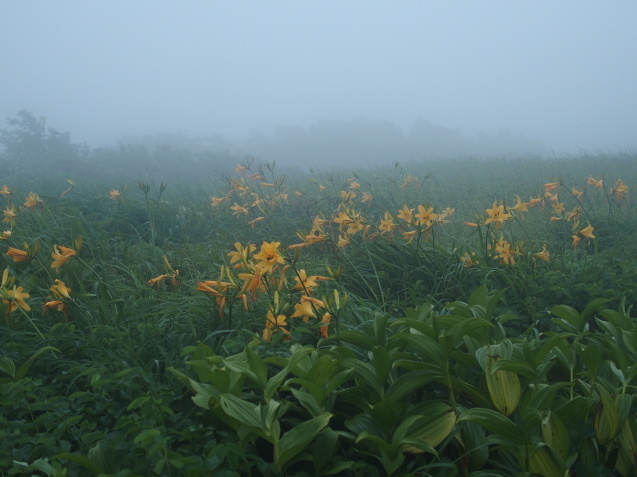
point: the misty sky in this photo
(563, 72)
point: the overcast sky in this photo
(560, 71)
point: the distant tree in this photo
(29, 143)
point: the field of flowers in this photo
(462, 317)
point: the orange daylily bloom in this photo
(544, 254)
(519, 205)
(216, 201)
(505, 254)
(61, 255)
(240, 168)
(242, 254)
(578, 194)
(18, 255)
(32, 201)
(367, 197)
(59, 304)
(115, 194)
(214, 287)
(274, 324)
(9, 215)
(60, 290)
(620, 189)
(347, 196)
(268, 257)
(425, 216)
(387, 224)
(6, 234)
(497, 215)
(254, 221)
(343, 241)
(15, 299)
(304, 309)
(551, 186)
(307, 283)
(594, 182)
(409, 236)
(238, 209)
(157, 280)
(327, 318)
(406, 214)
(587, 231)
(5, 190)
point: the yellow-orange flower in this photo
(304, 309)
(157, 280)
(425, 216)
(594, 182)
(587, 231)
(268, 257)
(32, 201)
(387, 223)
(620, 189)
(497, 215)
(519, 205)
(238, 209)
(5, 190)
(406, 214)
(577, 194)
(216, 201)
(9, 215)
(347, 196)
(15, 299)
(58, 304)
(114, 194)
(6, 234)
(504, 252)
(274, 324)
(18, 255)
(551, 186)
(60, 290)
(367, 197)
(544, 254)
(409, 236)
(327, 318)
(61, 255)
(242, 254)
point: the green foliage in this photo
(431, 367)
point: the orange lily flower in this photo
(61, 255)
(18, 255)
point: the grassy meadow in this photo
(463, 317)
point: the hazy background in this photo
(328, 80)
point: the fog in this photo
(306, 81)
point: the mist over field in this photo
(325, 83)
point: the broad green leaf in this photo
(409, 382)
(257, 367)
(357, 338)
(8, 366)
(22, 370)
(243, 411)
(505, 432)
(298, 438)
(427, 347)
(85, 462)
(570, 318)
